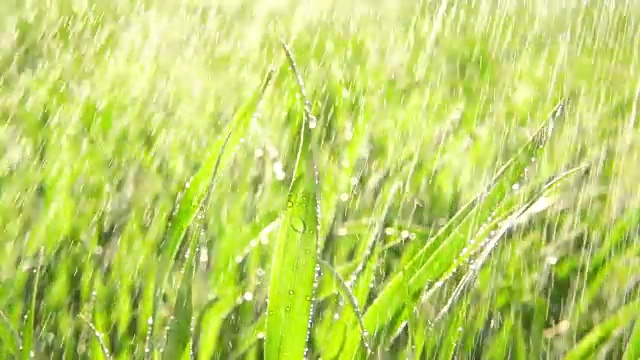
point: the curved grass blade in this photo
(249, 338)
(199, 186)
(98, 337)
(208, 325)
(422, 268)
(601, 332)
(632, 350)
(293, 274)
(351, 299)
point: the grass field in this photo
(476, 193)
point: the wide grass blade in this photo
(293, 275)
(199, 186)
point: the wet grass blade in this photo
(441, 250)
(351, 299)
(97, 335)
(632, 350)
(601, 332)
(29, 325)
(179, 334)
(200, 185)
(293, 274)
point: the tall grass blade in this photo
(98, 336)
(632, 351)
(199, 186)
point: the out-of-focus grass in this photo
(108, 108)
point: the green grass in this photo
(476, 192)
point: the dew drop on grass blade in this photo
(198, 187)
(293, 274)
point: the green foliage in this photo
(146, 177)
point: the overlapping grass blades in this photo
(444, 247)
(194, 199)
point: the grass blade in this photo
(180, 331)
(422, 268)
(199, 186)
(98, 336)
(600, 333)
(293, 275)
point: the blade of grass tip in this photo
(29, 326)
(350, 299)
(387, 304)
(98, 336)
(201, 184)
(11, 341)
(180, 331)
(309, 122)
(601, 332)
(294, 272)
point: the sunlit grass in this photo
(111, 113)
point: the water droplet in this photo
(515, 186)
(287, 308)
(260, 335)
(247, 296)
(291, 292)
(344, 197)
(342, 231)
(404, 234)
(336, 316)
